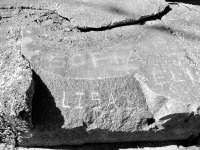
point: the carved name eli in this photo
(174, 71)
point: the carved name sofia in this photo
(92, 65)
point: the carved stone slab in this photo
(111, 90)
(163, 67)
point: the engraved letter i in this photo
(63, 101)
(80, 98)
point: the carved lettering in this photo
(96, 57)
(80, 94)
(119, 62)
(58, 62)
(133, 57)
(111, 100)
(132, 60)
(190, 75)
(63, 101)
(175, 78)
(119, 59)
(159, 77)
(95, 97)
(77, 60)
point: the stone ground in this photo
(37, 40)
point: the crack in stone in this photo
(179, 4)
(141, 21)
(22, 8)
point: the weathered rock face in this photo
(16, 88)
(110, 90)
(96, 13)
(97, 83)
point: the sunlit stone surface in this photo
(113, 89)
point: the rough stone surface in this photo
(115, 88)
(186, 30)
(16, 87)
(96, 13)
(98, 80)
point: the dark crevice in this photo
(32, 8)
(64, 18)
(22, 8)
(189, 117)
(85, 125)
(23, 115)
(6, 17)
(123, 145)
(192, 140)
(191, 2)
(173, 3)
(151, 121)
(141, 21)
(41, 112)
(185, 3)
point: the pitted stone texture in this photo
(112, 90)
(186, 29)
(114, 103)
(116, 60)
(95, 13)
(77, 110)
(103, 86)
(182, 22)
(15, 78)
(160, 63)
(16, 87)
(101, 13)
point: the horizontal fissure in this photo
(128, 22)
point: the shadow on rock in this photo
(193, 2)
(184, 125)
(45, 114)
(170, 31)
(177, 129)
(109, 8)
